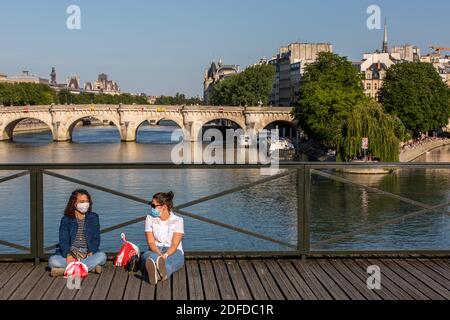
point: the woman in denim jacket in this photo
(79, 236)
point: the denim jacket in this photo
(68, 230)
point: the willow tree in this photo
(368, 119)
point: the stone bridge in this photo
(62, 119)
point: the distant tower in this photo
(53, 76)
(385, 40)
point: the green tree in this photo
(368, 119)
(330, 88)
(415, 92)
(65, 96)
(250, 87)
(25, 93)
(334, 110)
(178, 99)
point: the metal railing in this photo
(302, 171)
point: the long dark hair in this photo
(165, 198)
(70, 207)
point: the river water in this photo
(269, 208)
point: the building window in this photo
(375, 86)
(369, 86)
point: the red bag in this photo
(76, 269)
(128, 251)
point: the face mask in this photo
(83, 207)
(155, 213)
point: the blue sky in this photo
(161, 47)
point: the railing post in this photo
(36, 214)
(306, 208)
(303, 202)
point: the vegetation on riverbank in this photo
(21, 94)
(416, 93)
(335, 111)
(251, 87)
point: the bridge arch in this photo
(239, 121)
(286, 128)
(195, 128)
(8, 125)
(156, 121)
(71, 124)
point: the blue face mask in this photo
(155, 213)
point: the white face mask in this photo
(83, 207)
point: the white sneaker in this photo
(162, 268)
(151, 271)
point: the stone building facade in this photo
(102, 85)
(290, 63)
(216, 73)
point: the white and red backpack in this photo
(76, 269)
(126, 253)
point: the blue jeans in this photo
(173, 263)
(97, 259)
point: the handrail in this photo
(303, 170)
(179, 207)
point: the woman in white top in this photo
(164, 232)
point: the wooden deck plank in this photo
(55, 289)
(118, 285)
(195, 286)
(133, 288)
(256, 287)
(297, 281)
(390, 271)
(41, 287)
(362, 275)
(28, 284)
(347, 286)
(209, 280)
(69, 294)
(87, 287)
(104, 282)
(412, 278)
(223, 280)
(3, 266)
(282, 280)
(267, 280)
(16, 280)
(443, 268)
(422, 282)
(399, 292)
(164, 290)
(350, 277)
(333, 288)
(147, 290)
(319, 290)
(179, 284)
(237, 279)
(430, 272)
(8, 273)
(351, 289)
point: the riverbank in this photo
(410, 155)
